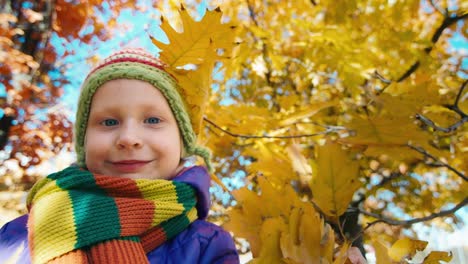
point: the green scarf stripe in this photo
(175, 225)
(90, 210)
(184, 191)
(96, 217)
(74, 177)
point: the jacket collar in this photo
(199, 178)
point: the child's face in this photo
(131, 132)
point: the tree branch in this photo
(328, 130)
(380, 77)
(438, 162)
(449, 129)
(382, 219)
(455, 107)
(448, 21)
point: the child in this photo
(130, 199)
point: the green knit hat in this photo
(136, 64)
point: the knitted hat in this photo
(137, 64)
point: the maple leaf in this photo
(308, 239)
(196, 40)
(334, 180)
(197, 45)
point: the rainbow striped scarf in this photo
(78, 217)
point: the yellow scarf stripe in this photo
(49, 239)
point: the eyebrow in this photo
(144, 107)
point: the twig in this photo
(448, 21)
(328, 130)
(380, 77)
(438, 162)
(382, 219)
(456, 106)
(449, 129)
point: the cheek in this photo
(95, 145)
(173, 145)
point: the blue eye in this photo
(153, 120)
(110, 122)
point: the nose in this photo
(129, 138)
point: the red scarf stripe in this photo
(118, 251)
(116, 188)
(136, 215)
(153, 238)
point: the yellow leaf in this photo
(308, 239)
(335, 179)
(272, 163)
(405, 247)
(385, 131)
(308, 111)
(197, 46)
(190, 46)
(299, 163)
(435, 256)
(381, 252)
(246, 220)
(270, 234)
(198, 94)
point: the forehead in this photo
(127, 92)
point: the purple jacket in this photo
(201, 242)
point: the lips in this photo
(128, 166)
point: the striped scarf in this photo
(79, 217)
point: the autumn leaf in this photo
(299, 163)
(285, 222)
(307, 112)
(405, 247)
(334, 180)
(274, 165)
(196, 40)
(270, 234)
(436, 256)
(308, 239)
(381, 252)
(197, 46)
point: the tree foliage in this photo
(340, 117)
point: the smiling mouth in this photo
(128, 166)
